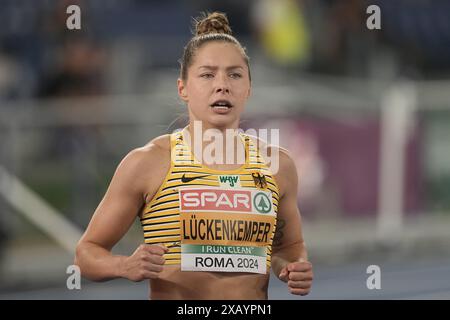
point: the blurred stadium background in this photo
(366, 114)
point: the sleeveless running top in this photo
(214, 220)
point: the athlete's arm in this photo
(125, 197)
(289, 254)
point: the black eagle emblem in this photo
(260, 180)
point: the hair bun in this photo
(216, 22)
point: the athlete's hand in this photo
(145, 263)
(299, 276)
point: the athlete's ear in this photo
(182, 90)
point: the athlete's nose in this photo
(222, 84)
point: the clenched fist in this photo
(145, 263)
(299, 276)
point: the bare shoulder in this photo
(279, 161)
(144, 168)
(286, 173)
(153, 153)
(265, 148)
(162, 143)
(270, 152)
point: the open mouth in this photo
(222, 104)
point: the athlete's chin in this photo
(221, 121)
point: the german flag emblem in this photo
(260, 180)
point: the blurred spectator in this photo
(75, 63)
(78, 71)
(343, 44)
(282, 31)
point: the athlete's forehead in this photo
(219, 52)
(215, 67)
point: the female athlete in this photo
(212, 229)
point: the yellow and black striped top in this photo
(160, 218)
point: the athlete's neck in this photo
(212, 145)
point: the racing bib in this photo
(225, 230)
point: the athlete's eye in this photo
(235, 75)
(207, 75)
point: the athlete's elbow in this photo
(77, 257)
(80, 260)
(95, 262)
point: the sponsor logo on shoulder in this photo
(231, 181)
